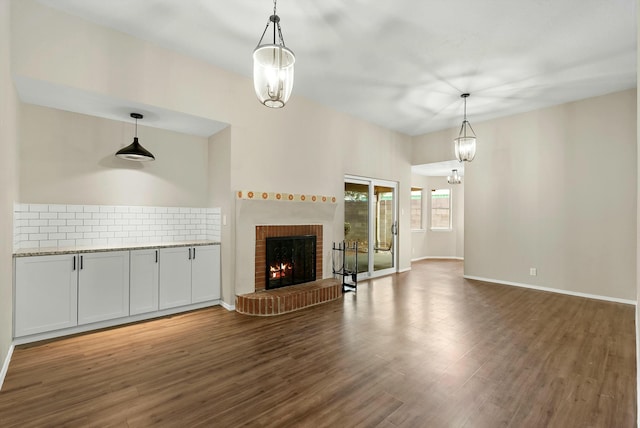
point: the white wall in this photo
(9, 183)
(68, 158)
(303, 148)
(427, 243)
(553, 189)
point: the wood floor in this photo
(424, 348)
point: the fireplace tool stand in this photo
(344, 261)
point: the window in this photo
(441, 209)
(416, 208)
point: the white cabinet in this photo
(58, 292)
(103, 286)
(189, 275)
(143, 281)
(46, 290)
(175, 277)
(205, 273)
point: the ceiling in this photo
(403, 64)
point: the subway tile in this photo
(57, 236)
(114, 216)
(107, 235)
(57, 208)
(91, 208)
(29, 229)
(91, 222)
(75, 208)
(66, 243)
(114, 228)
(99, 241)
(135, 210)
(66, 229)
(90, 235)
(83, 216)
(48, 229)
(74, 235)
(121, 222)
(48, 215)
(38, 207)
(27, 216)
(74, 222)
(122, 209)
(66, 216)
(81, 242)
(83, 229)
(107, 209)
(148, 210)
(38, 223)
(47, 243)
(173, 210)
(99, 216)
(121, 234)
(107, 222)
(37, 236)
(100, 228)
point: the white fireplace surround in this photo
(252, 213)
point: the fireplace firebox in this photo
(290, 260)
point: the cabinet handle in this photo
(74, 262)
(189, 253)
(194, 253)
(81, 263)
(156, 256)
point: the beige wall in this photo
(303, 148)
(8, 180)
(219, 196)
(427, 243)
(68, 158)
(554, 189)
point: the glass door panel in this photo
(356, 224)
(370, 219)
(385, 224)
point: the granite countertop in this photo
(26, 252)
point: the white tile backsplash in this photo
(57, 225)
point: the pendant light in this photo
(273, 67)
(135, 151)
(465, 144)
(454, 178)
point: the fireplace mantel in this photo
(251, 212)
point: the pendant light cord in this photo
(136, 126)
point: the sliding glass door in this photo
(370, 216)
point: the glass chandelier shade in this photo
(465, 145)
(454, 178)
(273, 67)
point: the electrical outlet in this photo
(533, 271)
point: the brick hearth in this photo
(289, 299)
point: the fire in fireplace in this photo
(290, 260)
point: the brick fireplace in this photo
(264, 232)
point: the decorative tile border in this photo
(284, 197)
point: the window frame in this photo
(422, 227)
(450, 208)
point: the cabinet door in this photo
(46, 292)
(205, 273)
(143, 291)
(103, 286)
(175, 277)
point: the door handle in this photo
(194, 253)
(394, 228)
(189, 253)
(156, 256)
(81, 263)
(74, 262)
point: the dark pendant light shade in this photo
(135, 151)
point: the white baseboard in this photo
(112, 323)
(227, 306)
(5, 365)
(554, 290)
(437, 257)
(407, 269)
